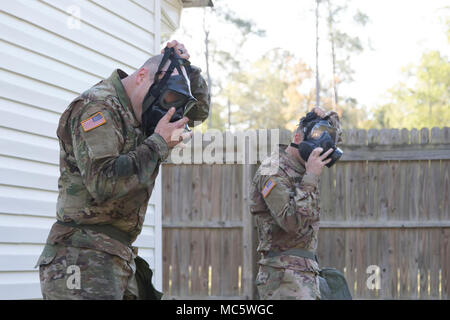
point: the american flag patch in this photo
(268, 187)
(93, 122)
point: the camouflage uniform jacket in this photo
(285, 202)
(107, 166)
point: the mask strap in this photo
(294, 145)
(167, 74)
(165, 58)
(160, 82)
(157, 83)
(174, 63)
(177, 64)
(169, 54)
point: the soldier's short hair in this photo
(152, 64)
(298, 130)
(303, 122)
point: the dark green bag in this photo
(332, 285)
(144, 281)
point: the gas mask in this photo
(169, 91)
(319, 133)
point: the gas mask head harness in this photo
(318, 132)
(169, 91)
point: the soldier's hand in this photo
(172, 132)
(319, 111)
(179, 48)
(316, 162)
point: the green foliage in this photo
(361, 18)
(267, 95)
(278, 88)
(245, 26)
(345, 43)
(225, 59)
(424, 103)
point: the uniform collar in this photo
(125, 101)
(292, 162)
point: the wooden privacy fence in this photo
(385, 216)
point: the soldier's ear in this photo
(298, 137)
(142, 75)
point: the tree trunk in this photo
(333, 55)
(229, 113)
(208, 76)
(317, 55)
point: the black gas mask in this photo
(169, 91)
(318, 133)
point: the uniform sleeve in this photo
(293, 208)
(106, 172)
(200, 91)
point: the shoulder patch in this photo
(268, 187)
(93, 122)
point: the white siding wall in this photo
(170, 16)
(45, 63)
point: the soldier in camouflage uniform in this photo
(285, 201)
(107, 173)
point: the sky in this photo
(400, 31)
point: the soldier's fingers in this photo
(326, 154)
(319, 111)
(186, 135)
(316, 152)
(176, 135)
(183, 51)
(180, 123)
(182, 145)
(166, 118)
(185, 56)
(172, 43)
(180, 47)
(326, 161)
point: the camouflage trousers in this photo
(286, 284)
(71, 273)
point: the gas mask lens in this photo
(322, 135)
(170, 88)
(319, 129)
(172, 98)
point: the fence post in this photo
(248, 274)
